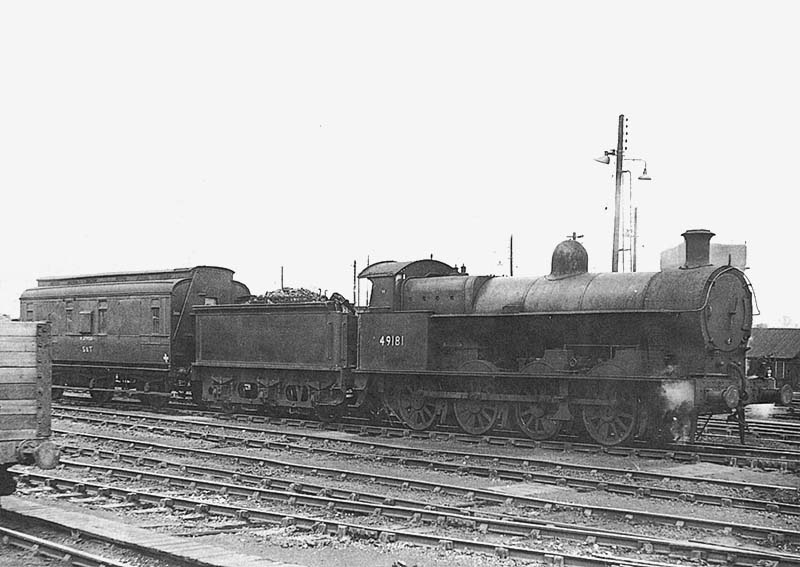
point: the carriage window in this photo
(68, 316)
(102, 321)
(29, 312)
(155, 312)
(85, 322)
(210, 301)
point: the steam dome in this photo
(569, 258)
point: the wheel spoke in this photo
(534, 417)
(620, 424)
(476, 417)
(613, 422)
(414, 410)
(472, 420)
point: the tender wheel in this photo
(415, 410)
(614, 420)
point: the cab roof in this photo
(413, 268)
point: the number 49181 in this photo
(392, 340)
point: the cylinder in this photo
(729, 397)
(781, 396)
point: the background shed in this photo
(776, 350)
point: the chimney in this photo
(697, 247)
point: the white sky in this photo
(255, 135)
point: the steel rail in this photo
(767, 424)
(526, 463)
(782, 457)
(510, 525)
(787, 433)
(62, 553)
(731, 433)
(731, 455)
(495, 471)
(709, 552)
(469, 494)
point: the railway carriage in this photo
(130, 332)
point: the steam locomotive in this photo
(624, 355)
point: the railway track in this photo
(710, 453)
(786, 433)
(778, 428)
(509, 526)
(247, 515)
(317, 485)
(641, 484)
(135, 546)
(50, 549)
(467, 494)
(253, 488)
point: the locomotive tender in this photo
(296, 356)
(128, 331)
(625, 354)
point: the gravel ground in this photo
(292, 545)
(13, 557)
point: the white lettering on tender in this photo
(392, 340)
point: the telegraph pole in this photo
(635, 235)
(619, 157)
(511, 256)
(618, 193)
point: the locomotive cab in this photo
(388, 277)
